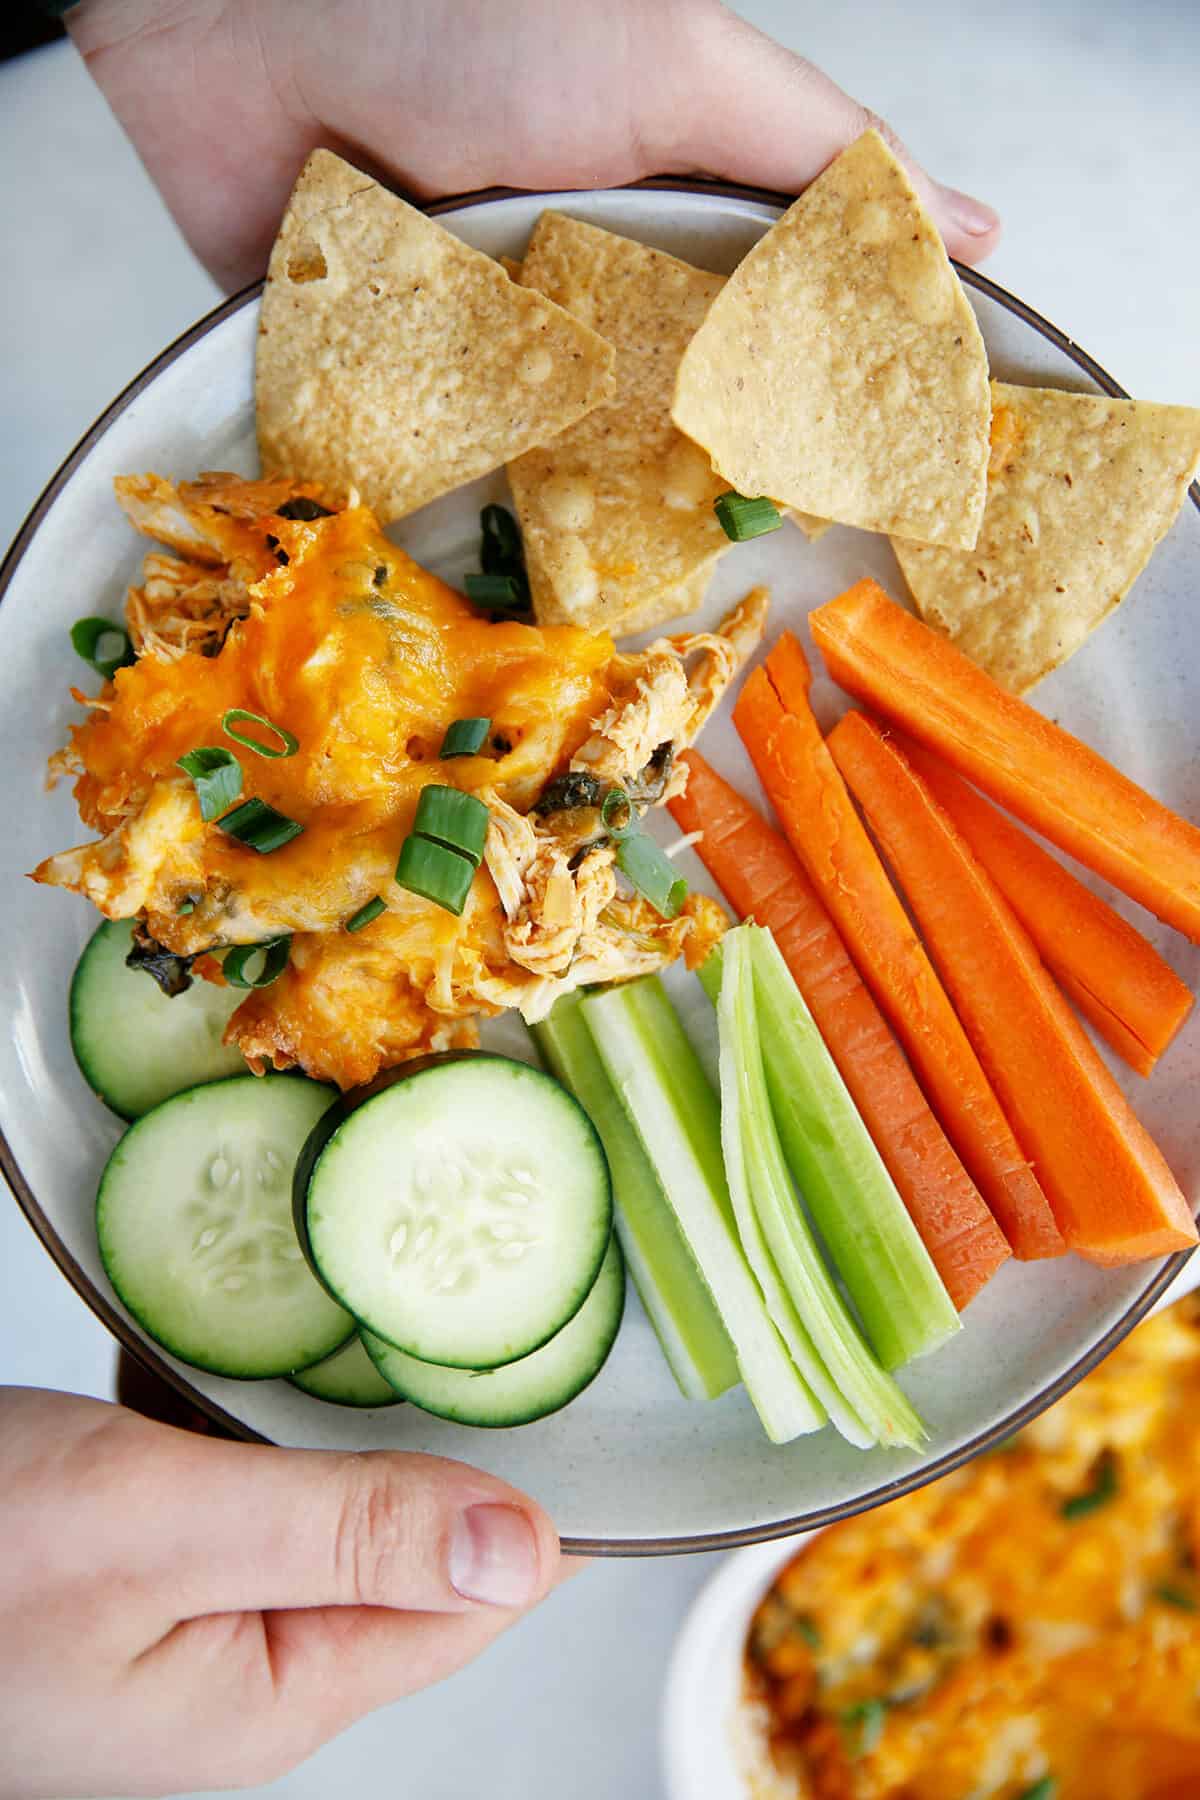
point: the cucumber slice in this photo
(134, 1046)
(525, 1390)
(196, 1234)
(664, 1271)
(459, 1207)
(347, 1378)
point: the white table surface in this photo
(1075, 118)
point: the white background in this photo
(1078, 122)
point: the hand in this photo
(178, 1612)
(225, 98)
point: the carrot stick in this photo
(1113, 1195)
(760, 876)
(1115, 976)
(824, 830)
(916, 678)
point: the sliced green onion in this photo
(87, 635)
(1045, 1789)
(500, 551)
(238, 714)
(501, 593)
(1178, 1597)
(617, 814)
(275, 953)
(366, 913)
(216, 775)
(185, 907)
(806, 1628)
(435, 872)
(466, 737)
(1102, 1490)
(453, 818)
(260, 827)
(862, 1726)
(742, 517)
(652, 874)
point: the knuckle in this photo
(374, 1531)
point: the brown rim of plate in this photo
(148, 1354)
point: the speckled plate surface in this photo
(630, 1467)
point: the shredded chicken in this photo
(365, 656)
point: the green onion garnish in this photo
(500, 550)
(1178, 1597)
(652, 874)
(274, 952)
(87, 639)
(260, 827)
(806, 1627)
(453, 818)
(436, 873)
(366, 913)
(1045, 1789)
(466, 737)
(216, 775)
(1102, 1490)
(742, 517)
(185, 907)
(617, 814)
(238, 714)
(500, 593)
(862, 1726)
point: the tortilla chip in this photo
(841, 369)
(396, 360)
(617, 511)
(812, 527)
(1080, 490)
(668, 603)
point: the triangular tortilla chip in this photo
(841, 369)
(618, 510)
(1080, 490)
(394, 359)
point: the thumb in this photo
(259, 1529)
(756, 113)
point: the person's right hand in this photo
(178, 1612)
(224, 99)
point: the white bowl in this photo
(629, 1467)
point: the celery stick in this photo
(870, 1397)
(673, 1293)
(671, 1104)
(734, 1006)
(889, 1275)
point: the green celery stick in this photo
(664, 1271)
(868, 1399)
(671, 1105)
(889, 1275)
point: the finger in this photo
(258, 1528)
(756, 113)
(263, 1691)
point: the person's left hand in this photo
(180, 1612)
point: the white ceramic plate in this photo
(630, 1467)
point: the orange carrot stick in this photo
(824, 830)
(1113, 1195)
(1115, 976)
(915, 678)
(759, 875)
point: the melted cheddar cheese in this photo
(1035, 1617)
(365, 659)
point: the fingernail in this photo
(969, 214)
(493, 1556)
